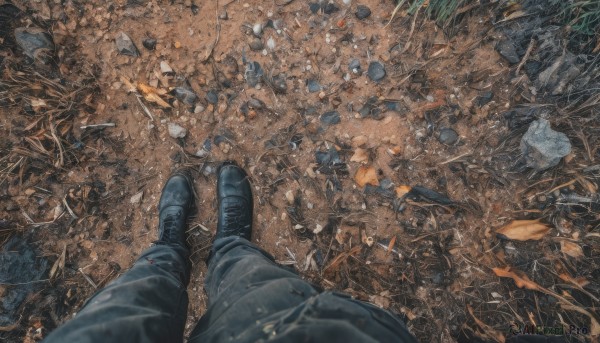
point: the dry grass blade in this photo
(523, 281)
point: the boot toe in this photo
(177, 192)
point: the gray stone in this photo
(177, 131)
(313, 86)
(125, 45)
(362, 12)
(36, 43)
(448, 136)
(507, 49)
(376, 71)
(543, 147)
(185, 95)
(253, 73)
(331, 118)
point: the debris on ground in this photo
(401, 152)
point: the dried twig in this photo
(87, 278)
(218, 29)
(97, 125)
(526, 56)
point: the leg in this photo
(244, 284)
(149, 302)
(146, 304)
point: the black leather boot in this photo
(235, 202)
(174, 207)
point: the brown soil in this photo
(439, 274)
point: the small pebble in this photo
(362, 12)
(149, 43)
(448, 136)
(376, 71)
(256, 44)
(176, 131)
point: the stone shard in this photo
(543, 147)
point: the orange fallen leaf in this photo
(152, 94)
(360, 156)
(366, 176)
(521, 280)
(392, 243)
(402, 190)
(571, 249)
(523, 230)
(487, 330)
(580, 281)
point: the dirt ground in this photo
(366, 223)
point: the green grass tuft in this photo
(582, 15)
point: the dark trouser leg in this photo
(146, 304)
(253, 299)
(242, 276)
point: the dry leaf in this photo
(366, 176)
(487, 330)
(580, 281)
(402, 190)
(59, 264)
(571, 249)
(360, 156)
(521, 280)
(392, 243)
(128, 85)
(152, 94)
(523, 230)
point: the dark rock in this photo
(253, 73)
(256, 104)
(212, 97)
(377, 190)
(362, 12)
(19, 265)
(376, 71)
(8, 18)
(328, 157)
(532, 68)
(370, 109)
(314, 7)
(313, 86)
(195, 9)
(125, 45)
(329, 8)
(331, 118)
(256, 44)
(448, 136)
(428, 194)
(149, 43)
(543, 147)
(507, 49)
(36, 43)
(185, 95)
(393, 106)
(484, 99)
